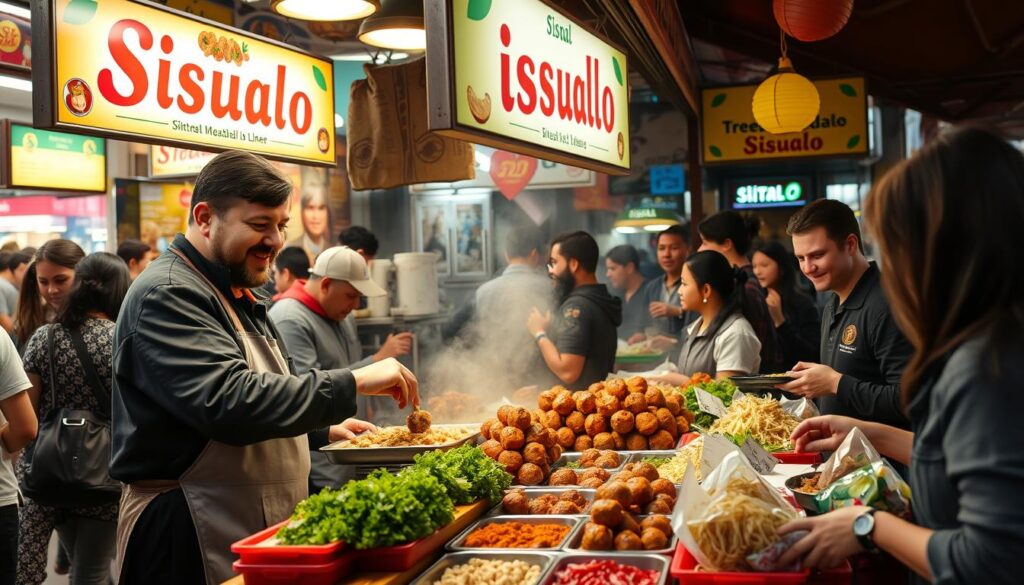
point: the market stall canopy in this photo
(958, 60)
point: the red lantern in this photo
(812, 20)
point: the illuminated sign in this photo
(526, 77)
(43, 159)
(759, 193)
(136, 70)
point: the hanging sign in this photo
(42, 159)
(168, 161)
(528, 78)
(136, 70)
(760, 193)
(496, 169)
(732, 135)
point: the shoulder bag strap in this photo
(95, 383)
(50, 354)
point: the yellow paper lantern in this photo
(786, 101)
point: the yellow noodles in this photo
(691, 454)
(735, 525)
(762, 418)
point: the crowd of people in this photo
(214, 393)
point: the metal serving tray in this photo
(336, 453)
(434, 573)
(573, 522)
(532, 493)
(577, 539)
(641, 561)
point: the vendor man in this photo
(209, 424)
(582, 343)
(863, 352)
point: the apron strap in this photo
(220, 296)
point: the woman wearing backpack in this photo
(65, 361)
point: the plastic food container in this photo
(255, 550)
(572, 522)
(322, 574)
(576, 540)
(646, 562)
(684, 570)
(532, 493)
(434, 573)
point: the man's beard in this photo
(239, 274)
(565, 283)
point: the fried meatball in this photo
(640, 490)
(496, 428)
(512, 438)
(519, 417)
(485, 428)
(658, 522)
(637, 384)
(617, 388)
(663, 486)
(646, 423)
(662, 440)
(597, 537)
(608, 459)
(619, 440)
(552, 420)
(654, 539)
(554, 453)
(690, 415)
(565, 437)
(654, 397)
(503, 413)
(613, 456)
(658, 507)
(512, 460)
(584, 442)
(536, 416)
(588, 457)
(596, 387)
(586, 402)
(608, 405)
(597, 472)
(564, 404)
(674, 404)
(622, 422)
(546, 399)
(615, 490)
(629, 523)
(635, 403)
(539, 507)
(538, 434)
(666, 421)
(606, 513)
(564, 477)
(628, 540)
(682, 425)
(574, 497)
(492, 448)
(535, 453)
(515, 502)
(563, 507)
(646, 471)
(576, 421)
(596, 423)
(636, 442)
(604, 441)
(592, 483)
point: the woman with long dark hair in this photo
(947, 222)
(796, 318)
(86, 320)
(721, 342)
(48, 281)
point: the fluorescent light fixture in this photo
(656, 227)
(15, 10)
(645, 219)
(366, 57)
(628, 230)
(325, 10)
(339, 122)
(19, 83)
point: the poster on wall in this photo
(15, 43)
(43, 159)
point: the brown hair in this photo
(948, 221)
(236, 175)
(836, 217)
(31, 312)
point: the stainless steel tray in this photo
(370, 455)
(575, 456)
(434, 573)
(573, 522)
(641, 561)
(532, 492)
(577, 539)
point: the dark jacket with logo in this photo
(181, 379)
(586, 325)
(860, 340)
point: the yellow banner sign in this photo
(732, 135)
(42, 159)
(168, 161)
(128, 68)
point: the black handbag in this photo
(69, 465)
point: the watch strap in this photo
(867, 540)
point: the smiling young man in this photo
(209, 426)
(863, 352)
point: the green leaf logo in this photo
(715, 151)
(853, 142)
(718, 100)
(319, 77)
(618, 70)
(848, 89)
(478, 9)
(80, 11)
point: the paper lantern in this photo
(812, 20)
(786, 101)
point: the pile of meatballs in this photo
(613, 522)
(518, 440)
(518, 501)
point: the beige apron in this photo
(231, 491)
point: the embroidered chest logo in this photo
(850, 335)
(571, 313)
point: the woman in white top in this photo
(721, 342)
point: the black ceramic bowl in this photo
(805, 499)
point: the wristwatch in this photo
(864, 529)
(539, 336)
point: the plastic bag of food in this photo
(856, 475)
(734, 515)
(855, 452)
(801, 408)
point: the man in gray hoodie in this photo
(311, 318)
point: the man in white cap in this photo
(312, 318)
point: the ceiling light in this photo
(15, 83)
(366, 57)
(338, 120)
(398, 25)
(15, 10)
(327, 10)
(649, 219)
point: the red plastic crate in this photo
(253, 553)
(686, 438)
(322, 574)
(683, 569)
(793, 457)
(400, 557)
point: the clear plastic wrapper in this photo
(855, 452)
(856, 475)
(802, 408)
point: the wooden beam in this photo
(664, 25)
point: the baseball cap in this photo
(344, 263)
